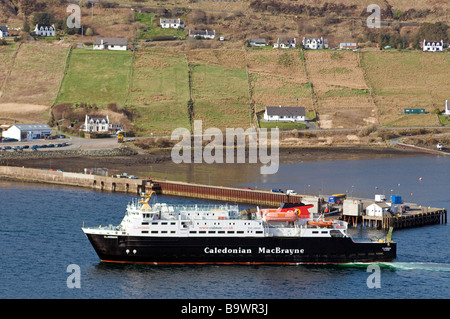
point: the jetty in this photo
(353, 211)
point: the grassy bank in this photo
(96, 77)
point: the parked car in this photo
(133, 177)
(291, 192)
(276, 190)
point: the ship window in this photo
(192, 232)
(164, 223)
(154, 231)
(230, 232)
(324, 231)
(172, 232)
(172, 223)
(315, 232)
(259, 232)
(144, 223)
(221, 232)
(202, 232)
(211, 232)
(240, 232)
(144, 232)
(164, 232)
(154, 223)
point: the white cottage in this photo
(429, 46)
(285, 43)
(202, 34)
(99, 124)
(3, 31)
(117, 44)
(171, 23)
(44, 30)
(315, 43)
(447, 108)
(284, 114)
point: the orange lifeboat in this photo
(319, 223)
(276, 216)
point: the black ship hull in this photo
(238, 250)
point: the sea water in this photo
(41, 239)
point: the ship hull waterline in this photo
(238, 250)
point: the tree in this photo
(43, 18)
(433, 32)
(89, 32)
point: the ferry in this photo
(222, 234)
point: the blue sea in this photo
(42, 243)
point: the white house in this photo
(429, 46)
(202, 34)
(45, 30)
(447, 108)
(27, 132)
(99, 124)
(285, 43)
(347, 46)
(257, 42)
(284, 114)
(315, 43)
(171, 23)
(118, 44)
(3, 31)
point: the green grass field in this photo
(220, 96)
(96, 76)
(160, 91)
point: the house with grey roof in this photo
(117, 44)
(284, 114)
(171, 23)
(3, 32)
(315, 43)
(45, 30)
(202, 34)
(27, 132)
(257, 42)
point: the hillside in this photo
(228, 82)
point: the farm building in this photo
(285, 43)
(429, 46)
(3, 31)
(24, 132)
(171, 23)
(45, 30)
(204, 34)
(315, 43)
(284, 114)
(118, 44)
(257, 42)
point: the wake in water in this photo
(421, 266)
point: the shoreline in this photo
(139, 160)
